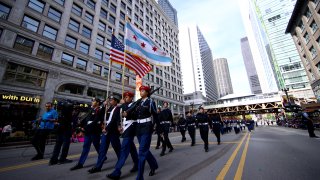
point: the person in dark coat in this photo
(309, 123)
(203, 121)
(216, 125)
(191, 125)
(110, 132)
(91, 126)
(63, 133)
(166, 119)
(158, 130)
(182, 127)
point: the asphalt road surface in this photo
(268, 152)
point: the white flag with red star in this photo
(139, 44)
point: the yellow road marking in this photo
(239, 172)
(26, 165)
(227, 166)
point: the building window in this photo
(88, 17)
(306, 37)
(301, 26)
(98, 54)
(105, 2)
(103, 14)
(50, 32)
(313, 52)
(86, 32)
(122, 15)
(23, 44)
(67, 59)
(61, 2)
(54, 14)
(112, 20)
(4, 11)
(102, 26)
(121, 26)
(105, 72)
(123, 5)
(100, 40)
(74, 25)
(314, 26)
(76, 10)
(308, 13)
(45, 52)
(84, 47)
(71, 89)
(30, 23)
(91, 4)
(96, 69)
(70, 42)
(126, 80)
(107, 58)
(96, 93)
(129, 11)
(36, 5)
(113, 8)
(19, 74)
(118, 77)
(81, 64)
(110, 30)
(318, 40)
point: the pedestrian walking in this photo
(191, 124)
(47, 122)
(63, 133)
(110, 133)
(91, 127)
(182, 127)
(166, 119)
(202, 120)
(216, 125)
(128, 126)
(309, 123)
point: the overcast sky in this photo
(221, 24)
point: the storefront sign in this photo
(9, 97)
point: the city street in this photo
(269, 152)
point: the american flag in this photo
(132, 62)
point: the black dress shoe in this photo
(152, 172)
(77, 166)
(162, 154)
(219, 143)
(192, 144)
(110, 176)
(206, 150)
(53, 162)
(37, 157)
(94, 170)
(134, 169)
(65, 161)
(171, 149)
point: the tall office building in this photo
(274, 16)
(304, 27)
(59, 49)
(250, 67)
(259, 47)
(197, 63)
(222, 75)
(169, 10)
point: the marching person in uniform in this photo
(91, 126)
(182, 127)
(110, 132)
(128, 133)
(216, 125)
(191, 124)
(165, 119)
(203, 123)
(144, 109)
(309, 123)
(158, 129)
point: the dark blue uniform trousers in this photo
(88, 140)
(104, 146)
(62, 140)
(145, 154)
(127, 147)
